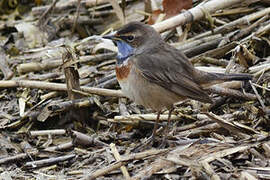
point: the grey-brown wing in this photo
(171, 69)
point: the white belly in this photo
(127, 88)
(145, 93)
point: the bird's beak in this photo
(112, 37)
(108, 37)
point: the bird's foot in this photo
(164, 143)
(147, 144)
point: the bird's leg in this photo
(151, 139)
(155, 126)
(166, 131)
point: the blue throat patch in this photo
(124, 51)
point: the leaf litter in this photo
(62, 115)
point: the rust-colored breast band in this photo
(123, 71)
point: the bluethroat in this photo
(156, 75)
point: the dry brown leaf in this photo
(170, 8)
(154, 16)
(174, 7)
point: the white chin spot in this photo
(126, 62)
(119, 54)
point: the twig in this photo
(59, 147)
(45, 162)
(106, 170)
(184, 45)
(195, 131)
(63, 106)
(230, 126)
(244, 20)
(267, 89)
(212, 156)
(85, 140)
(209, 170)
(17, 157)
(147, 117)
(194, 14)
(124, 161)
(42, 20)
(197, 50)
(35, 66)
(214, 61)
(76, 17)
(58, 87)
(153, 168)
(118, 158)
(218, 52)
(118, 11)
(257, 95)
(62, 6)
(47, 132)
(250, 28)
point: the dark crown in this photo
(135, 26)
(142, 33)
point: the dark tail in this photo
(233, 77)
(208, 79)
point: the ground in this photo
(63, 116)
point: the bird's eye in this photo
(130, 38)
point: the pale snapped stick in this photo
(58, 87)
(194, 14)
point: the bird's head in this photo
(133, 38)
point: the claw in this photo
(147, 144)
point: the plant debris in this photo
(63, 115)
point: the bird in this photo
(155, 74)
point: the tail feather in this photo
(208, 79)
(231, 77)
